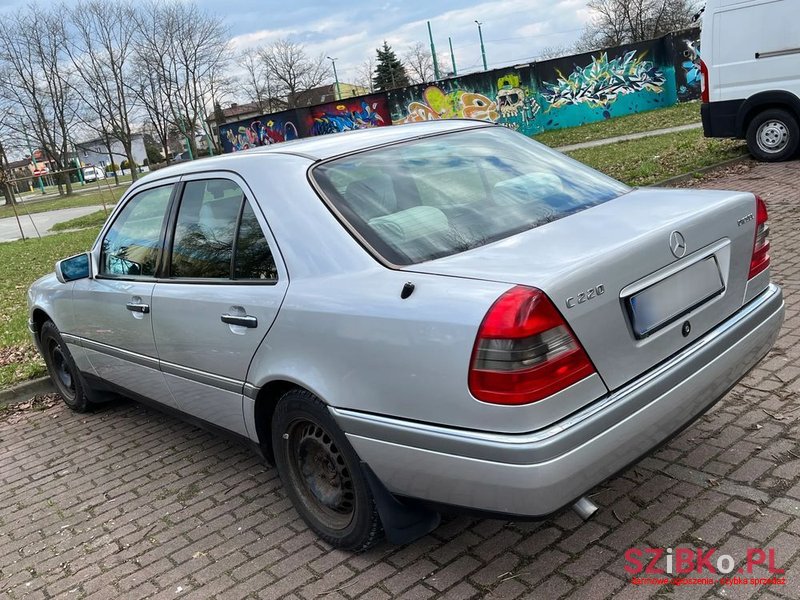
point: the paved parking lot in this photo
(128, 503)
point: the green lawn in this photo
(95, 219)
(649, 160)
(21, 263)
(104, 195)
(683, 113)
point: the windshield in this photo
(441, 195)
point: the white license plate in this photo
(662, 303)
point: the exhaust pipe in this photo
(585, 508)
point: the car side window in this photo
(206, 235)
(131, 245)
(254, 258)
(205, 229)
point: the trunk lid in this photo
(611, 272)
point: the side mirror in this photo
(74, 267)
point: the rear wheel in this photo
(773, 135)
(322, 474)
(62, 369)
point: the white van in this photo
(92, 173)
(750, 67)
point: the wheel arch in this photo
(265, 402)
(38, 318)
(762, 101)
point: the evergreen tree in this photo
(389, 71)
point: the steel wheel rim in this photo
(320, 474)
(772, 136)
(64, 379)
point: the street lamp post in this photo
(336, 77)
(483, 50)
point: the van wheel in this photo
(773, 135)
(322, 473)
(62, 369)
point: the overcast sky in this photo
(514, 31)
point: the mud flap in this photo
(402, 523)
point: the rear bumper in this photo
(537, 473)
(720, 119)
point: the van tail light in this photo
(525, 351)
(760, 259)
(703, 82)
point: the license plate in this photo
(662, 303)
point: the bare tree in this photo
(549, 52)
(258, 81)
(364, 74)
(183, 52)
(617, 22)
(293, 69)
(37, 83)
(102, 51)
(419, 63)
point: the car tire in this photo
(62, 368)
(773, 135)
(322, 473)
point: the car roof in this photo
(336, 144)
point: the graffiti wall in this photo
(560, 93)
(261, 131)
(349, 114)
(686, 50)
(564, 92)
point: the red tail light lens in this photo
(525, 351)
(760, 259)
(703, 82)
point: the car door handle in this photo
(240, 320)
(138, 307)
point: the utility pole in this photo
(433, 54)
(452, 56)
(483, 50)
(336, 78)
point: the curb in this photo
(701, 171)
(24, 391)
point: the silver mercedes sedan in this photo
(416, 319)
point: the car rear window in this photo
(436, 196)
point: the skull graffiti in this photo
(510, 101)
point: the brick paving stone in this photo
(130, 503)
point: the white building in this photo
(94, 152)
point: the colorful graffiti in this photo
(237, 137)
(517, 104)
(438, 104)
(552, 94)
(602, 81)
(362, 113)
(691, 70)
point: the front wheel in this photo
(62, 369)
(773, 135)
(322, 474)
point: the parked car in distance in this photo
(749, 74)
(444, 314)
(92, 174)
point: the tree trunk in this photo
(131, 163)
(111, 158)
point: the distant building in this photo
(327, 93)
(94, 152)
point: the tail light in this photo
(703, 82)
(525, 351)
(760, 259)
